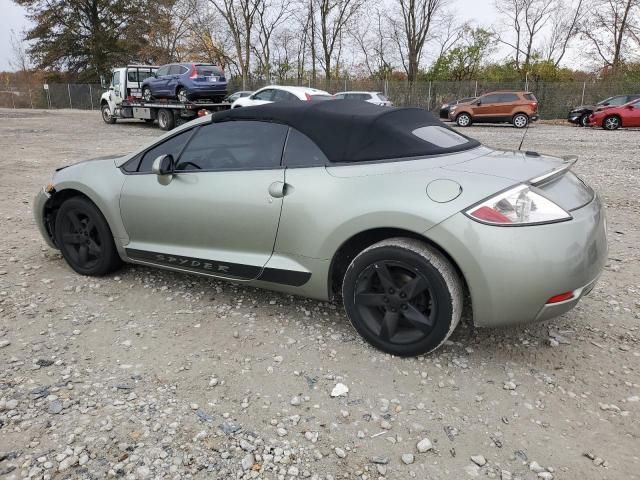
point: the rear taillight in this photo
(518, 206)
(194, 72)
(307, 96)
(534, 105)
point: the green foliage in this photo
(86, 37)
(464, 61)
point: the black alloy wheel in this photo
(584, 120)
(84, 238)
(402, 296)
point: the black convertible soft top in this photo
(357, 131)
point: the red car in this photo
(612, 118)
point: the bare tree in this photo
(19, 60)
(611, 25)
(565, 26)
(240, 17)
(412, 26)
(333, 16)
(270, 15)
(525, 20)
(171, 29)
(374, 41)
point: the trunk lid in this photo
(551, 176)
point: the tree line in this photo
(280, 40)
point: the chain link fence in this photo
(555, 99)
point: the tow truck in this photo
(123, 100)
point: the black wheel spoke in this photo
(75, 221)
(386, 280)
(83, 254)
(417, 318)
(389, 325)
(72, 238)
(94, 248)
(370, 299)
(89, 225)
(415, 287)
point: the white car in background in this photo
(376, 98)
(278, 93)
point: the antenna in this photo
(524, 135)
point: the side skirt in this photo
(223, 270)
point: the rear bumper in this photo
(512, 272)
(197, 91)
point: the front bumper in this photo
(39, 212)
(574, 118)
(511, 272)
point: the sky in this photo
(481, 12)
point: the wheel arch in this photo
(519, 112)
(358, 242)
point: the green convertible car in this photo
(406, 220)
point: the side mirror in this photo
(479, 102)
(103, 83)
(605, 104)
(630, 107)
(163, 165)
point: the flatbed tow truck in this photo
(123, 100)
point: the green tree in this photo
(464, 61)
(85, 37)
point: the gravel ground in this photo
(152, 374)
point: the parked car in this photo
(236, 95)
(444, 109)
(612, 118)
(278, 93)
(186, 82)
(376, 98)
(273, 197)
(580, 115)
(517, 108)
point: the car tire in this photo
(612, 122)
(520, 120)
(85, 239)
(166, 120)
(106, 114)
(181, 95)
(403, 296)
(147, 96)
(584, 120)
(463, 120)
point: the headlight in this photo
(518, 206)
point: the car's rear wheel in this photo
(463, 120)
(402, 296)
(584, 120)
(146, 94)
(181, 94)
(85, 239)
(520, 120)
(166, 120)
(611, 123)
(106, 114)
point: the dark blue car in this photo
(186, 82)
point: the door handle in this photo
(277, 189)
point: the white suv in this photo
(277, 93)
(376, 98)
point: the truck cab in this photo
(125, 83)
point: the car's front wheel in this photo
(146, 94)
(403, 296)
(611, 123)
(584, 120)
(463, 120)
(85, 239)
(520, 120)
(106, 114)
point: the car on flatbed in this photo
(186, 82)
(403, 219)
(124, 100)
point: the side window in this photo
(340, 96)
(171, 146)
(618, 101)
(162, 71)
(234, 145)
(301, 151)
(281, 95)
(116, 79)
(263, 95)
(490, 99)
(508, 98)
(175, 70)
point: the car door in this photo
(486, 107)
(632, 115)
(219, 213)
(156, 83)
(173, 79)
